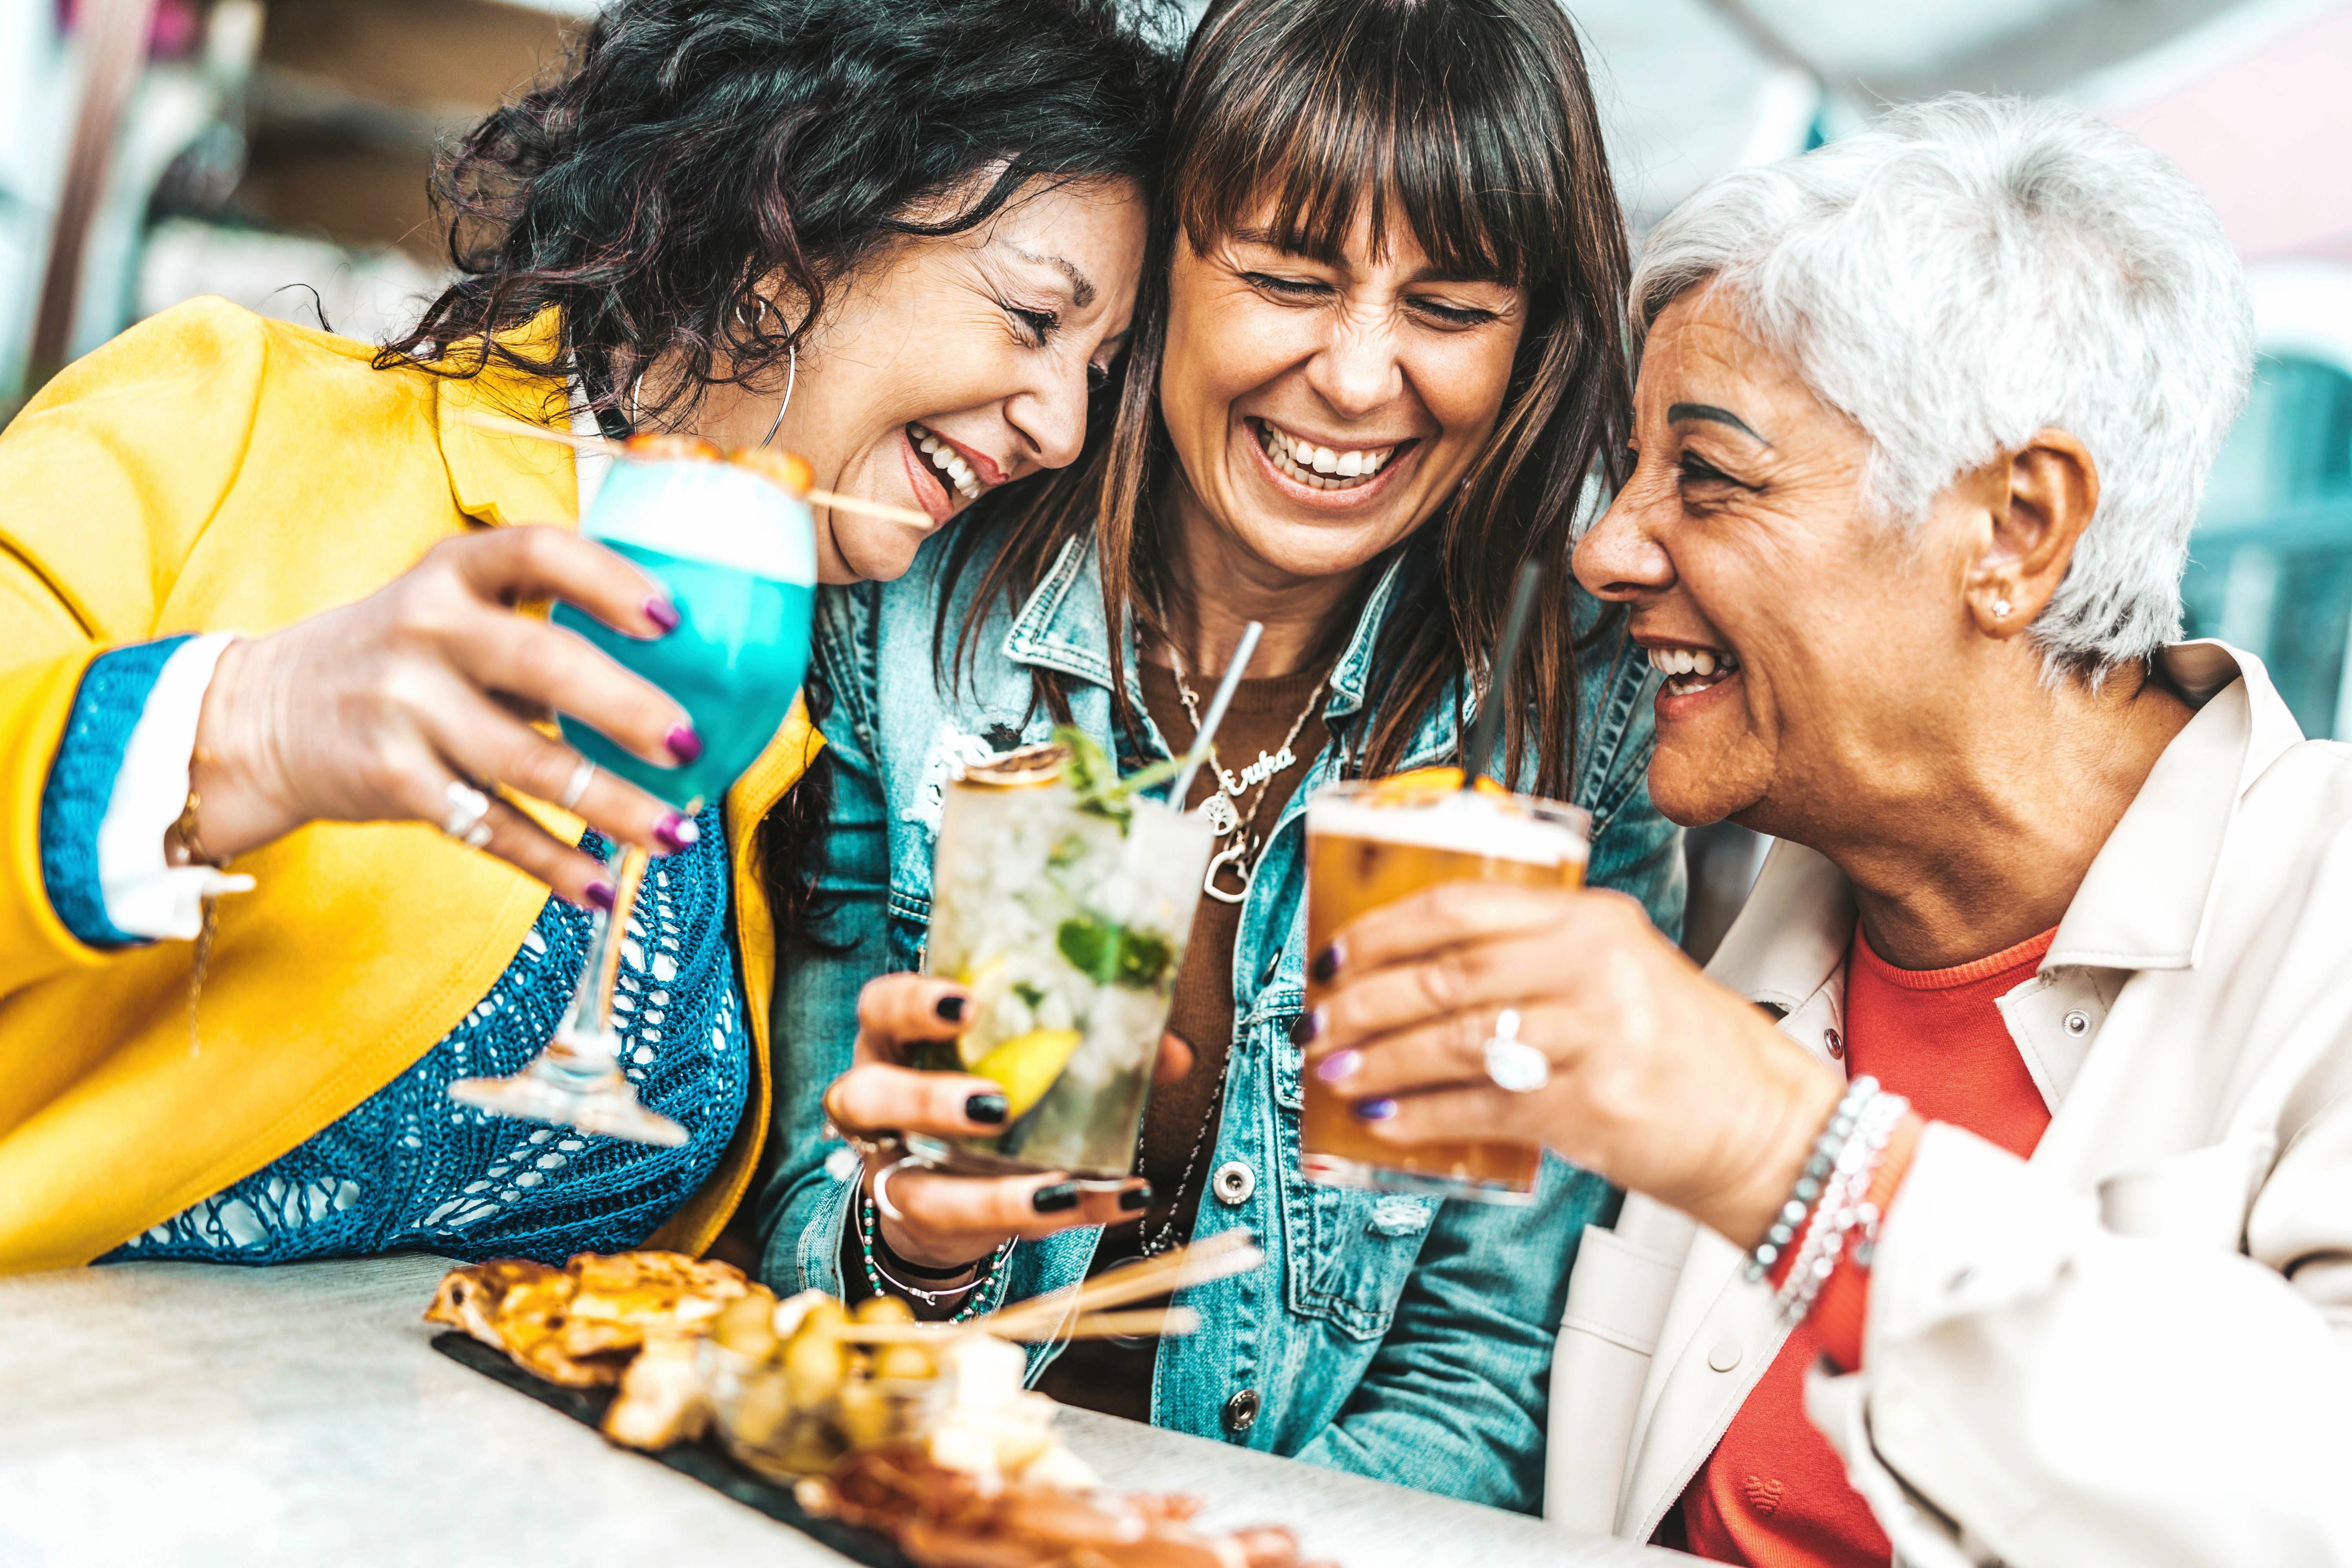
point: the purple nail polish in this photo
(684, 743)
(1311, 1025)
(676, 832)
(600, 894)
(1375, 1109)
(662, 612)
(1327, 962)
(1337, 1065)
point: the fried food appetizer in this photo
(581, 1324)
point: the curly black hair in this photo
(700, 147)
(697, 148)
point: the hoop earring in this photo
(791, 364)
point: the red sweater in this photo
(1774, 1493)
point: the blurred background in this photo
(277, 153)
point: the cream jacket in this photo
(2131, 1348)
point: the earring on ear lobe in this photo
(2000, 609)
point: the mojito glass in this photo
(1066, 913)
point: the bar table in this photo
(167, 1413)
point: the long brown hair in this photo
(1473, 124)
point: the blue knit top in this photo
(409, 1168)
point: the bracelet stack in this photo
(884, 1284)
(1829, 1207)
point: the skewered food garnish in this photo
(579, 1325)
(941, 1517)
(813, 1383)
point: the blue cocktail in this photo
(736, 552)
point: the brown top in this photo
(1180, 1138)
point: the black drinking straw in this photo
(1487, 727)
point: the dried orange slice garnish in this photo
(1425, 784)
(672, 449)
(788, 469)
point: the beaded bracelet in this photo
(1842, 1208)
(1818, 1164)
(883, 1285)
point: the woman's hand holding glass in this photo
(1660, 1079)
(372, 711)
(943, 1220)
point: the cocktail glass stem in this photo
(577, 1080)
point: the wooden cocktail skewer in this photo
(1170, 1320)
(1227, 1252)
(498, 425)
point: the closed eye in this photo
(1037, 326)
(1697, 470)
(1452, 315)
(1302, 290)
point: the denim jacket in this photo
(1396, 1337)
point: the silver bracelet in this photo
(1793, 1214)
(1843, 1209)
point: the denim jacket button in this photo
(1233, 1184)
(1241, 1412)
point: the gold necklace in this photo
(1240, 857)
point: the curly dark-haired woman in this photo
(260, 590)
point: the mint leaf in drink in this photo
(1113, 955)
(1091, 947)
(1094, 778)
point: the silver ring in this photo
(1511, 1062)
(882, 1187)
(582, 775)
(468, 810)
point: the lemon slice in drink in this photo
(1027, 1065)
(986, 984)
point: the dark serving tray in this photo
(705, 1460)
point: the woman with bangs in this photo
(1376, 361)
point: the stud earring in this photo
(2000, 609)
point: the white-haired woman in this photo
(1923, 421)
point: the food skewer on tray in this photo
(921, 1432)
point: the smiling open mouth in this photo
(1323, 467)
(1689, 670)
(945, 461)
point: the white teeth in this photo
(1321, 468)
(1703, 663)
(946, 461)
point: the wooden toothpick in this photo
(498, 425)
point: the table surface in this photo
(165, 1414)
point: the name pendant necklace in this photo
(1219, 812)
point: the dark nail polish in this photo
(990, 1109)
(950, 1009)
(1327, 962)
(1310, 1025)
(676, 832)
(1135, 1200)
(599, 894)
(1375, 1109)
(1059, 1198)
(1337, 1065)
(684, 743)
(662, 612)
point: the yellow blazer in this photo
(213, 471)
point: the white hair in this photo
(1973, 269)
